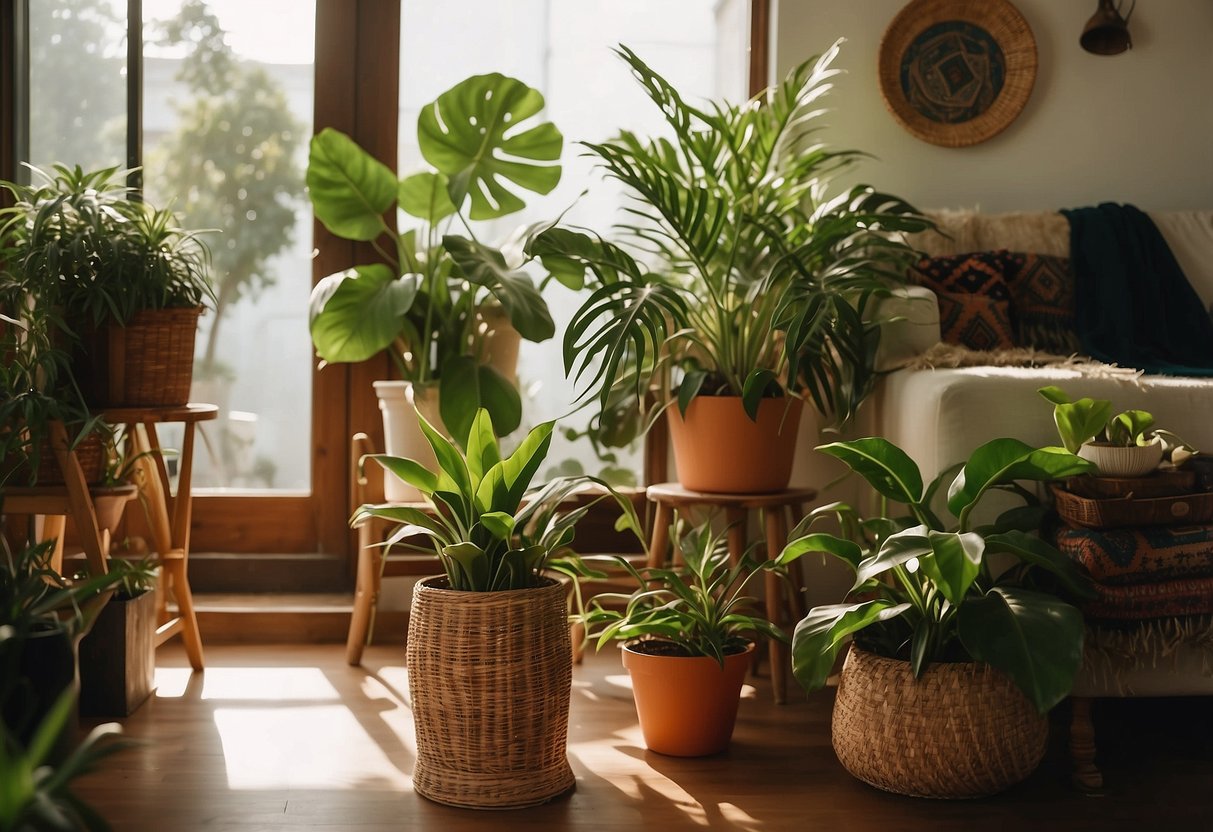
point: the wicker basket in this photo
(1169, 483)
(147, 363)
(1127, 511)
(90, 453)
(490, 676)
(962, 730)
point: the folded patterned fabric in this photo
(1042, 304)
(1151, 600)
(974, 297)
(1142, 555)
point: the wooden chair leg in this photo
(777, 534)
(174, 565)
(364, 595)
(52, 527)
(660, 542)
(1086, 776)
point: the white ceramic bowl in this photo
(1122, 461)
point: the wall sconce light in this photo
(1107, 32)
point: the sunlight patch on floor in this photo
(267, 683)
(303, 747)
(171, 682)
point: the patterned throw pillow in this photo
(1042, 304)
(974, 297)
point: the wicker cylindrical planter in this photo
(149, 362)
(961, 730)
(490, 677)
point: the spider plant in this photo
(748, 276)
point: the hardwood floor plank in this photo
(288, 737)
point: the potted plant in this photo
(488, 640)
(1122, 445)
(761, 290)
(123, 282)
(448, 308)
(117, 657)
(952, 667)
(37, 793)
(687, 637)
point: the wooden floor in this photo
(283, 737)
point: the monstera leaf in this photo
(356, 313)
(350, 189)
(474, 134)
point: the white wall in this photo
(1136, 127)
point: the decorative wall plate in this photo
(956, 72)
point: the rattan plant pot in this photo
(90, 453)
(962, 730)
(147, 363)
(490, 677)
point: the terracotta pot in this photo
(490, 679)
(110, 503)
(687, 706)
(717, 448)
(961, 730)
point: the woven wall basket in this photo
(147, 363)
(490, 676)
(961, 730)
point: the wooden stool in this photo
(671, 497)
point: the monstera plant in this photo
(431, 296)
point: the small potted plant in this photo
(125, 281)
(1120, 445)
(762, 289)
(950, 661)
(117, 657)
(489, 639)
(449, 309)
(688, 638)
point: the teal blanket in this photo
(1135, 307)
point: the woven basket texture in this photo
(1113, 513)
(960, 731)
(490, 676)
(90, 453)
(158, 363)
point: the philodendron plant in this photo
(924, 590)
(754, 281)
(424, 301)
(489, 531)
(1092, 420)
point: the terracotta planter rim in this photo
(628, 645)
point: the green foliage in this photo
(702, 606)
(425, 305)
(1092, 420)
(761, 283)
(231, 161)
(487, 538)
(35, 791)
(924, 590)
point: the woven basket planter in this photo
(147, 363)
(90, 453)
(490, 676)
(961, 730)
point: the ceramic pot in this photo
(687, 705)
(1123, 460)
(719, 449)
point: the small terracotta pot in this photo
(687, 705)
(717, 448)
(110, 503)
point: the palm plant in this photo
(761, 283)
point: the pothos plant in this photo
(754, 281)
(489, 530)
(1084, 420)
(424, 301)
(924, 590)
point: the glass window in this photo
(227, 111)
(563, 49)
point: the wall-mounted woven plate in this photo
(956, 72)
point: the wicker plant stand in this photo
(490, 678)
(960, 731)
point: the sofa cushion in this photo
(974, 297)
(1042, 304)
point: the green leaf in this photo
(472, 565)
(688, 389)
(819, 636)
(466, 386)
(887, 468)
(483, 451)
(755, 389)
(454, 471)
(1130, 427)
(1034, 638)
(1031, 549)
(463, 134)
(1054, 395)
(505, 483)
(1006, 460)
(357, 313)
(411, 471)
(1081, 421)
(486, 267)
(894, 551)
(350, 189)
(954, 563)
(845, 550)
(424, 195)
(920, 646)
(499, 524)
